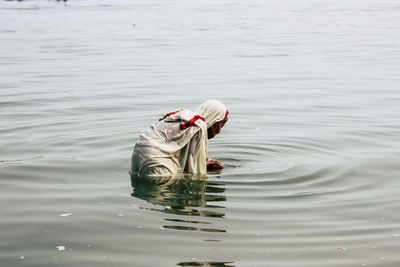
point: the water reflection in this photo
(188, 196)
(206, 264)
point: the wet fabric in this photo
(177, 143)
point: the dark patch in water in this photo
(18, 161)
(207, 263)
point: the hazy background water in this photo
(312, 145)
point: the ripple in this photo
(207, 263)
(28, 8)
(191, 228)
(18, 161)
(186, 221)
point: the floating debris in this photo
(340, 249)
(60, 248)
(65, 214)
(22, 257)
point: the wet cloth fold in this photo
(177, 143)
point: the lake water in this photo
(312, 145)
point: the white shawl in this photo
(177, 143)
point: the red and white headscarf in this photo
(165, 146)
(212, 111)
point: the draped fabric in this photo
(212, 111)
(177, 143)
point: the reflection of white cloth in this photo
(168, 148)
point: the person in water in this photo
(178, 143)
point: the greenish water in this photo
(311, 147)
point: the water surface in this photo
(311, 148)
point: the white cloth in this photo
(166, 149)
(212, 111)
